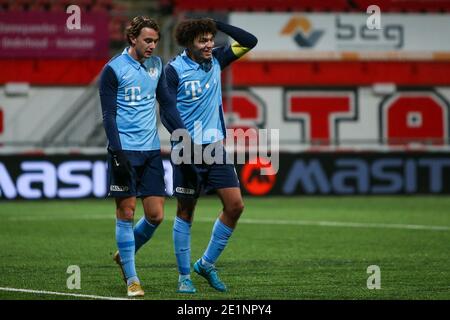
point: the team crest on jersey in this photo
(153, 73)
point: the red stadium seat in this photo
(116, 28)
(36, 7)
(324, 5)
(99, 8)
(261, 5)
(85, 5)
(41, 5)
(4, 5)
(406, 5)
(118, 9)
(312, 5)
(107, 4)
(15, 7)
(58, 7)
(23, 2)
(104, 2)
(81, 3)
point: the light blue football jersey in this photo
(199, 99)
(136, 101)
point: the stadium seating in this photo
(401, 72)
(59, 5)
(261, 5)
(238, 5)
(40, 5)
(312, 5)
(61, 71)
(406, 5)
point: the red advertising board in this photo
(46, 35)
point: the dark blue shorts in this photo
(212, 177)
(147, 178)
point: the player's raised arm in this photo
(243, 42)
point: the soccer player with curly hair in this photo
(194, 78)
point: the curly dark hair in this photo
(137, 24)
(186, 31)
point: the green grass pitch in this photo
(283, 248)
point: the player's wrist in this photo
(219, 25)
(114, 151)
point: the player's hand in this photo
(120, 165)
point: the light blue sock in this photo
(182, 244)
(183, 277)
(219, 239)
(143, 231)
(125, 243)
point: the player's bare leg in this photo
(186, 208)
(125, 208)
(154, 209)
(233, 206)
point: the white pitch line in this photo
(337, 224)
(347, 224)
(61, 294)
(61, 217)
(318, 223)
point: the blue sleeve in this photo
(170, 117)
(245, 41)
(224, 55)
(172, 80)
(108, 87)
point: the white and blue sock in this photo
(182, 277)
(143, 231)
(182, 244)
(219, 239)
(125, 243)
